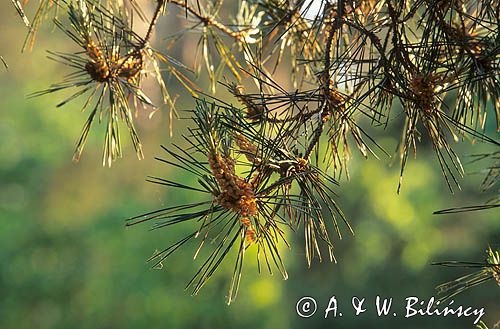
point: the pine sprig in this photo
(488, 270)
(258, 186)
(109, 69)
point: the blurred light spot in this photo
(265, 292)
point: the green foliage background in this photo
(67, 261)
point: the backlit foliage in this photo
(268, 163)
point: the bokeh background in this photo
(67, 260)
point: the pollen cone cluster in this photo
(496, 273)
(423, 87)
(235, 193)
(101, 69)
(336, 103)
(246, 147)
(97, 66)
